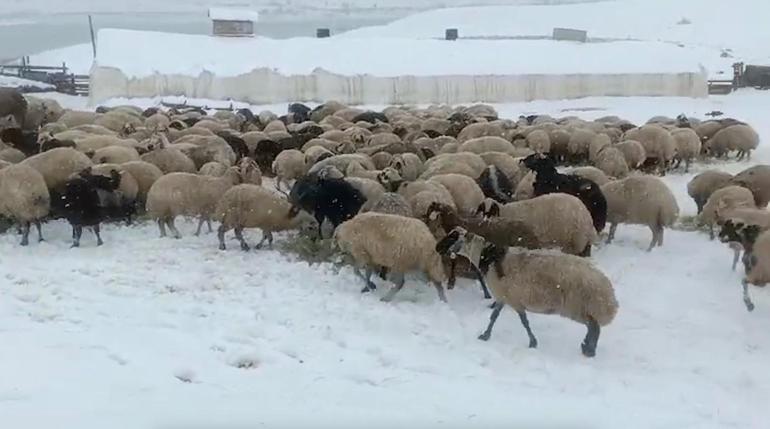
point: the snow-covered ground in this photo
(708, 24)
(15, 82)
(147, 331)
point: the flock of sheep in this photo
(441, 190)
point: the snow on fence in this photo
(385, 70)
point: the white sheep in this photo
(591, 173)
(688, 146)
(723, 200)
(399, 244)
(408, 165)
(741, 138)
(73, 118)
(640, 200)
(633, 151)
(115, 155)
(704, 184)
(145, 175)
(558, 220)
(289, 165)
(580, 143)
(539, 141)
(252, 206)
(657, 142)
(757, 180)
(57, 165)
(598, 143)
(548, 283)
(168, 159)
(24, 198)
(480, 145)
(611, 161)
(465, 192)
(186, 194)
(390, 203)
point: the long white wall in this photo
(264, 86)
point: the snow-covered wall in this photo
(386, 69)
(264, 86)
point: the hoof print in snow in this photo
(245, 363)
(185, 376)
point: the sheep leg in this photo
(221, 236)
(440, 291)
(25, 233)
(77, 232)
(383, 273)
(611, 235)
(711, 231)
(746, 297)
(369, 285)
(498, 307)
(452, 279)
(586, 253)
(320, 219)
(172, 227)
(525, 323)
(687, 165)
(239, 235)
(200, 226)
(162, 228)
(654, 241)
(97, 232)
(39, 231)
(592, 338)
(480, 276)
(208, 224)
(661, 231)
(736, 256)
(394, 290)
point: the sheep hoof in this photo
(245, 247)
(492, 305)
(533, 343)
(587, 351)
(74, 245)
(750, 306)
(484, 337)
(222, 247)
(99, 243)
(24, 242)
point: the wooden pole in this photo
(93, 39)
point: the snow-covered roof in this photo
(384, 57)
(229, 14)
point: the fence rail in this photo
(58, 76)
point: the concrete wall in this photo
(263, 86)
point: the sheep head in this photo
(737, 231)
(539, 163)
(488, 208)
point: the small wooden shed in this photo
(228, 22)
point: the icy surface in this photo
(147, 331)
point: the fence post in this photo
(93, 40)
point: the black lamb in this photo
(236, 143)
(300, 111)
(327, 198)
(548, 181)
(23, 140)
(82, 203)
(496, 185)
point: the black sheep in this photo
(237, 144)
(548, 181)
(25, 141)
(264, 155)
(82, 204)
(496, 185)
(327, 198)
(300, 111)
(370, 117)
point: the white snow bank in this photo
(15, 82)
(77, 58)
(232, 14)
(190, 55)
(739, 25)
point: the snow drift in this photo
(385, 70)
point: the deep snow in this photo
(146, 331)
(392, 56)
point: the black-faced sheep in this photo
(548, 180)
(545, 283)
(496, 185)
